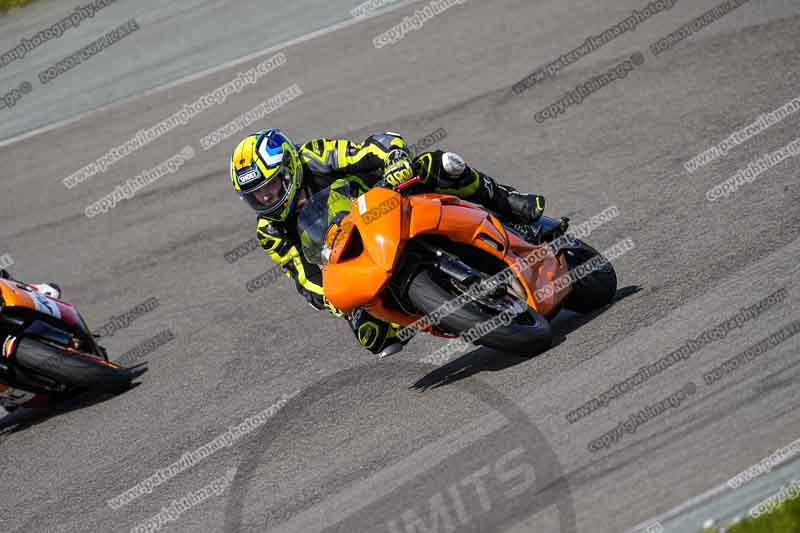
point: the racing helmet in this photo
(267, 173)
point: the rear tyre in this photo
(594, 291)
(72, 371)
(528, 334)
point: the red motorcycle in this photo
(48, 353)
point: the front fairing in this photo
(323, 209)
(20, 306)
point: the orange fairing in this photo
(376, 220)
(13, 296)
(383, 221)
(353, 283)
(378, 217)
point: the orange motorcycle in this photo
(48, 353)
(409, 258)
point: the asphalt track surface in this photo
(480, 443)
(174, 40)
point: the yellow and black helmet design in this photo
(267, 173)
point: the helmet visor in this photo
(271, 195)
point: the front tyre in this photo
(528, 333)
(595, 290)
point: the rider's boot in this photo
(375, 335)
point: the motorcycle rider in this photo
(275, 176)
(48, 289)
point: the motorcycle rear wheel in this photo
(594, 291)
(72, 371)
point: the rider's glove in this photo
(526, 208)
(398, 168)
